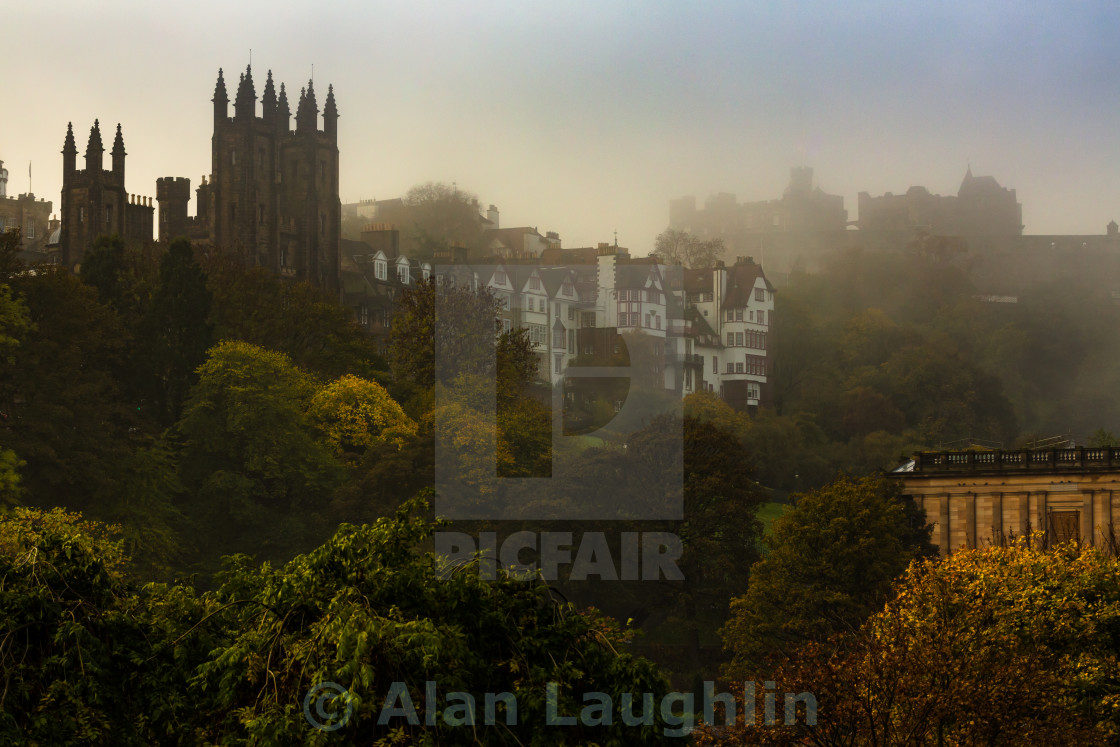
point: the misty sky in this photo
(587, 118)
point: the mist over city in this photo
(559, 374)
(588, 118)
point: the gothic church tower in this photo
(272, 198)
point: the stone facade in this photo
(32, 217)
(805, 223)
(975, 498)
(271, 197)
(981, 207)
(95, 201)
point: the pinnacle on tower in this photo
(283, 109)
(308, 112)
(246, 103)
(94, 149)
(310, 101)
(118, 142)
(118, 154)
(220, 89)
(69, 151)
(330, 114)
(269, 99)
(69, 146)
(221, 100)
(94, 146)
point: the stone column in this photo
(1088, 525)
(945, 538)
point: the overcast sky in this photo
(587, 118)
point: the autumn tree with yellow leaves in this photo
(996, 646)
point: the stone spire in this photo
(246, 103)
(69, 151)
(94, 149)
(283, 110)
(307, 115)
(221, 100)
(118, 153)
(268, 101)
(330, 114)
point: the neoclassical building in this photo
(975, 498)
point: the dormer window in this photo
(379, 269)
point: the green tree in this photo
(298, 319)
(103, 267)
(995, 646)
(720, 531)
(830, 564)
(88, 658)
(14, 327)
(175, 333)
(461, 336)
(357, 414)
(65, 412)
(439, 216)
(250, 454)
(682, 248)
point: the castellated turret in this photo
(173, 194)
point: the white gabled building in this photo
(729, 311)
